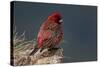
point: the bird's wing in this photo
(49, 34)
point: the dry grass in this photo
(23, 48)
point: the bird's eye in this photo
(61, 21)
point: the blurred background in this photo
(79, 24)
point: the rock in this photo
(44, 57)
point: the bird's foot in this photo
(55, 48)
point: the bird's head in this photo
(56, 17)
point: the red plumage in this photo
(51, 32)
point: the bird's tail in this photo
(34, 51)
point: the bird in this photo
(51, 32)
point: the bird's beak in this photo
(61, 20)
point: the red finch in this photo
(50, 33)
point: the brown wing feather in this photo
(55, 34)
